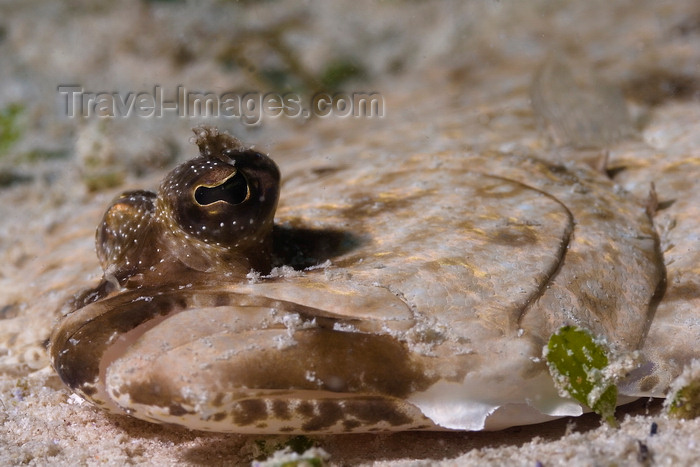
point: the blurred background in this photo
(424, 59)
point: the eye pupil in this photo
(233, 191)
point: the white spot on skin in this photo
(176, 243)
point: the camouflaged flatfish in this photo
(413, 294)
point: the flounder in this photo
(412, 296)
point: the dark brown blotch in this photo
(371, 411)
(516, 236)
(222, 299)
(350, 425)
(305, 409)
(329, 413)
(372, 364)
(153, 393)
(88, 389)
(249, 411)
(281, 409)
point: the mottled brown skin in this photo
(154, 238)
(213, 214)
(447, 278)
(212, 217)
(211, 222)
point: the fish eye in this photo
(234, 190)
